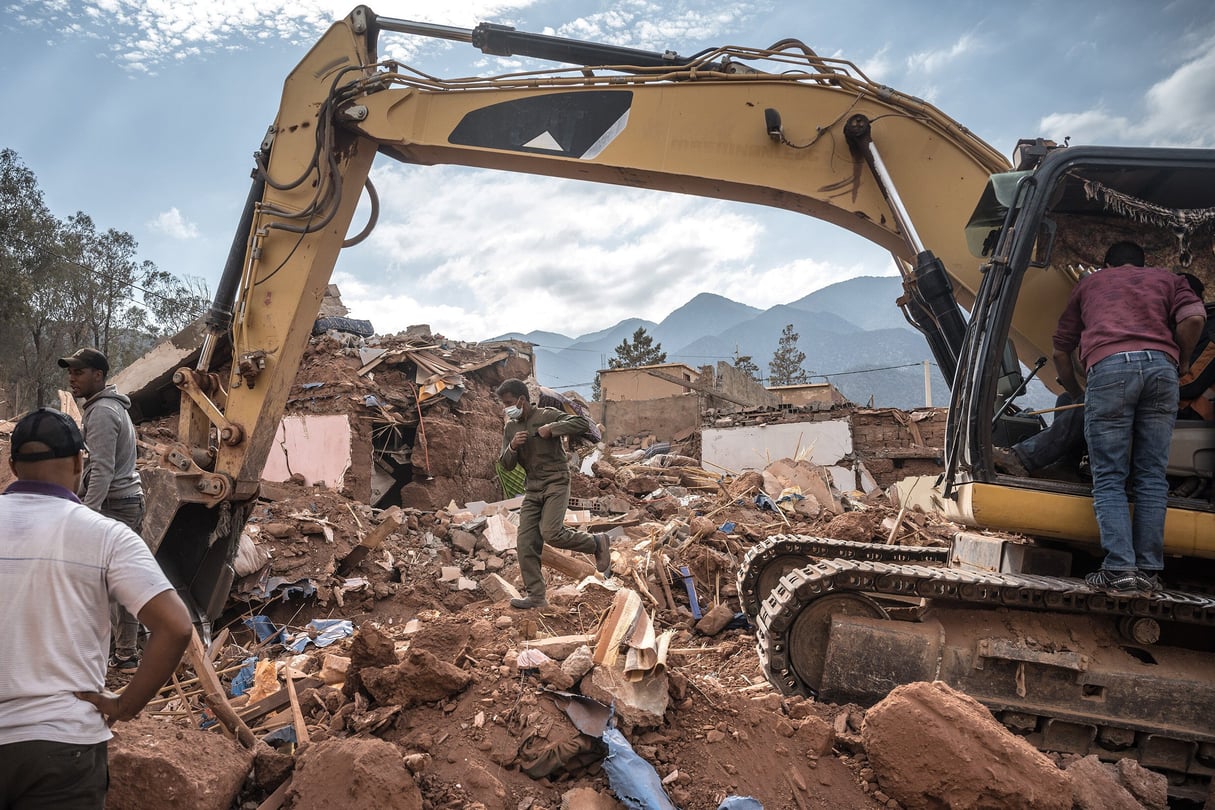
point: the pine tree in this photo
(643, 351)
(746, 365)
(786, 366)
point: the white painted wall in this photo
(754, 447)
(315, 446)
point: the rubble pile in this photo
(368, 653)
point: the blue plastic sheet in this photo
(243, 681)
(740, 803)
(763, 501)
(263, 628)
(324, 632)
(727, 527)
(633, 779)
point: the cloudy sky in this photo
(145, 116)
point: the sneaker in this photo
(1150, 581)
(529, 603)
(603, 554)
(1117, 581)
(1008, 462)
(125, 664)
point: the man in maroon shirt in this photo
(1135, 328)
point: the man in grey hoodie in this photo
(110, 484)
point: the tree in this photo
(643, 351)
(67, 285)
(746, 365)
(786, 366)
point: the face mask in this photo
(513, 412)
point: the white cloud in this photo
(660, 25)
(1179, 110)
(144, 33)
(549, 254)
(932, 61)
(171, 222)
(476, 254)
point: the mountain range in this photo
(852, 332)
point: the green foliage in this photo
(68, 285)
(596, 389)
(786, 366)
(746, 365)
(643, 351)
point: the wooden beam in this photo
(213, 693)
(701, 387)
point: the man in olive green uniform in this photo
(532, 439)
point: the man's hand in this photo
(519, 440)
(109, 704)
(544, 432)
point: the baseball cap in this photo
(52, 428)
(86, 358)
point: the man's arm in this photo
(168, 623)
(1067, 374)
(1187, 334)
(566, 425)
(102, 431)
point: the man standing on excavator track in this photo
(532, 440)
(1136, 328)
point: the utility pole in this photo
(927, 385)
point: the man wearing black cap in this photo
(110, 484)
(60, 565)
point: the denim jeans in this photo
(1063, 439)
(124, 627)
(1130, 406)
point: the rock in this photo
(858, 527)
(1095, 786)
(715, 620)
(368, 649)
(279, 531)
(182, 768)
(464, 541)
(270, 767)
(579, 662)
(367, 772)
(334, 668)
(553, 675)
(485, 786)
(973, 761)
(420, 678)
(498, 589)
(1151, 789)
(816, 734)
(588, 799)
(642, 703)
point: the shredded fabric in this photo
(1183, 222)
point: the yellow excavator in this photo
(988, 251)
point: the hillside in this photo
(852, 332)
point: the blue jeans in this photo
(1130, 406)
(1063, 439)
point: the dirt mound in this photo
(973, 761)
(341, 772)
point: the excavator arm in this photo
(781, 127)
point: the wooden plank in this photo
(272, 703)
(390, 521)
(560, 561)
(213, 693)
(297, 716)
(276, 799)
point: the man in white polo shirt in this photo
(60, 564)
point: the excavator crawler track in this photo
(767, 561)
(1046, 655)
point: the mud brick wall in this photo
(888, 448)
